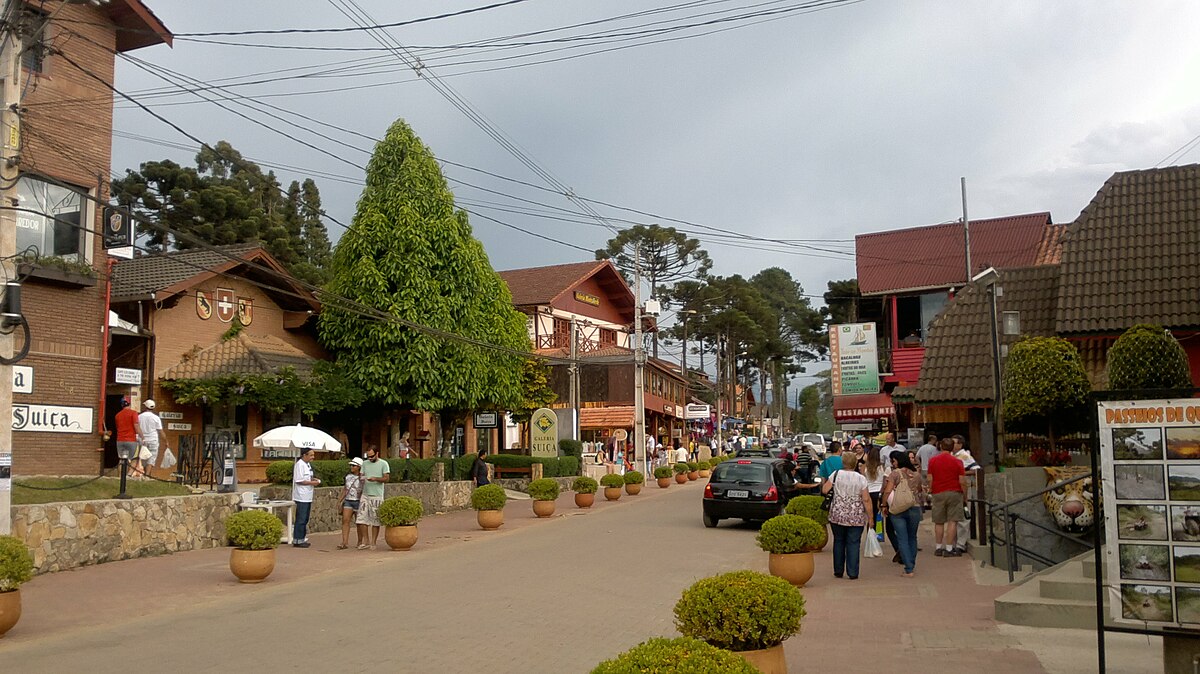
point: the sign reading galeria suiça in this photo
(854, 358)
(1150, 473)
(543, 432)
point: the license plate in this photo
(737, 493)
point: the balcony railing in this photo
(564, 341)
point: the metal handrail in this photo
(1050, 488)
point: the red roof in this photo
(921, 258)
(137, 26)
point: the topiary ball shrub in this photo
(489, 497)
(253, 530)
(400, 511)
(634, 477)
(681, 468)
(279, 472)
(543, 489)
(788, 534)
(704, 465)
(584, 485)
(662, 471)
(16, 564)
(676, 656)
(810, 507)
(693, 465)
(740, 611)
(1147, 357)
(570, 447)
(613, 480)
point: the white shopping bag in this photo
(870, 546)
(168, 459)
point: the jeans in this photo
(300, 527)
(846, 543)
(876, 499)
(906, 524)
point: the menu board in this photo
(1150, 474)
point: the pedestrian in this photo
(849, 513)
(887, 449)
(350, 498)
(832, 462)
(947, 486)
(479, 469)
(969, 466)
(303, 483)
(127, 434)
(680, 454)
(927, 452)
(904, 513)
(375, 476)
(150, 433)
(403, 449)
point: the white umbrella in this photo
(298, 437)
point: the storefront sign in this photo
(669, 408)
(280, 453)
(1150, 478)
(176, 426)
(620, 435)
(125, 375)
(171, 415)
(543, 431)
(697, 411)
(587, 298)
(51, 419)
(487, 420)
(679, 411)
(855, 359)
(22, 379)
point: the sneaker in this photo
(939, 553)
(301, 544)
(953, 553)
(896, 559)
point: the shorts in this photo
(153, 453)
(947, 507)
(128, 449)
(347, 504)
(368, 511)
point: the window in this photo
(608, 337)
(33, 45)
(52, 223)
(562, 333)
(1012, 322)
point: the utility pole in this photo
(10, 146)
(574, 369)
(966, 229)
(719, 383)
(639, 364)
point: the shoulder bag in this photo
(901, 498)
(828, 502)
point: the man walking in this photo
(302, 493)
(150, 432)
(127, 434)
(926, 452)
(886, 451)
(948, 486)
(375, 475)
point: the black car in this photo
(754, 489)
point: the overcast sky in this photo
(814, 126)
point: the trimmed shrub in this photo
(253, 530)
(488, 497)
(279, 472)
(634, 477)
(584, 485)
(678, 656)
(400, 511)
(462, 467)
(788, 534)
(704, 465)
(570, 447)
(740, 610)
(569, 465)
(16, 564)
(693, 466)
(681, 468)
(544, 489)
(1147, 357)
(612, 480)
(662, 471)
(810, 507)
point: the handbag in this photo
(901, 498)
(828, 502)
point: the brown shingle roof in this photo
(606, 417)
(932, 257)
(958, 354)
(244, 354)
(1133, 255)
(540, 285)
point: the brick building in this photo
(66, 137)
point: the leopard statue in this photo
(1070, 506)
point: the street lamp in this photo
(683, 355)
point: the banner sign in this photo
(51, 419)
(854, 356)
(697, 411)
(125, 375)
(1150, 478)
(486, 420)
(543, 431)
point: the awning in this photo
(862, 408)
(606, 417)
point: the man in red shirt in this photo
(948, 487)
(127, 430)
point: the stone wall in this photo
(68, 535)
(1010, 485)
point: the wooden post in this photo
(535, 471)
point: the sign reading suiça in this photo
(854, 359)
(543, 431)
(1150, 478)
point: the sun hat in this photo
(357, 461)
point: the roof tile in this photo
(244, 354)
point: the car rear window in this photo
(731, 471)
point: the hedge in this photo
(562, 466)
(332, 473)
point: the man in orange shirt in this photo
(127, 431)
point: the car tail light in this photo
(772, 495)
(708, 491)
(743, 461)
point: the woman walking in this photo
(351, 498)
(848, 514)
(902, 493)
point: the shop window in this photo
(51, 220)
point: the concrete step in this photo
(1068, 582)
(1025, 605)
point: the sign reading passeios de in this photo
(543, 431)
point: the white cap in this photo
(357, 461)
(149, 404)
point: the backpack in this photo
(901, 498)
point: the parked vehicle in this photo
(752, 489)
(816, 441)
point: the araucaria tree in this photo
(1045, 387)
(410, 255)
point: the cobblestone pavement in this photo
(537, 596)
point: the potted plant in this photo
(612, 486)
(400, 514)
(791, 541)
(633, 482)
(488, 502)
(663, 475)
(681, 470)
(585, 491)
(675, 655)
(747, 612)
(254, 535)
(810, 507)
(16, 567)
(544, 492)
(693, 470)
(705, 468)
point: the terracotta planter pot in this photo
(796, 568)
(824, 541)
(705, 473)
(693, 474)
(664, 482)
(490, 520)
(681, 477)
(768, 660)
(584, 500)
(543, 508)
(612, 493)
(10, 610)
(252, 566)
(400, 538)
(633, 489)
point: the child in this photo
(351, 494)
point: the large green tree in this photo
(410, 255)
(1045, 387)
(1147, 357)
